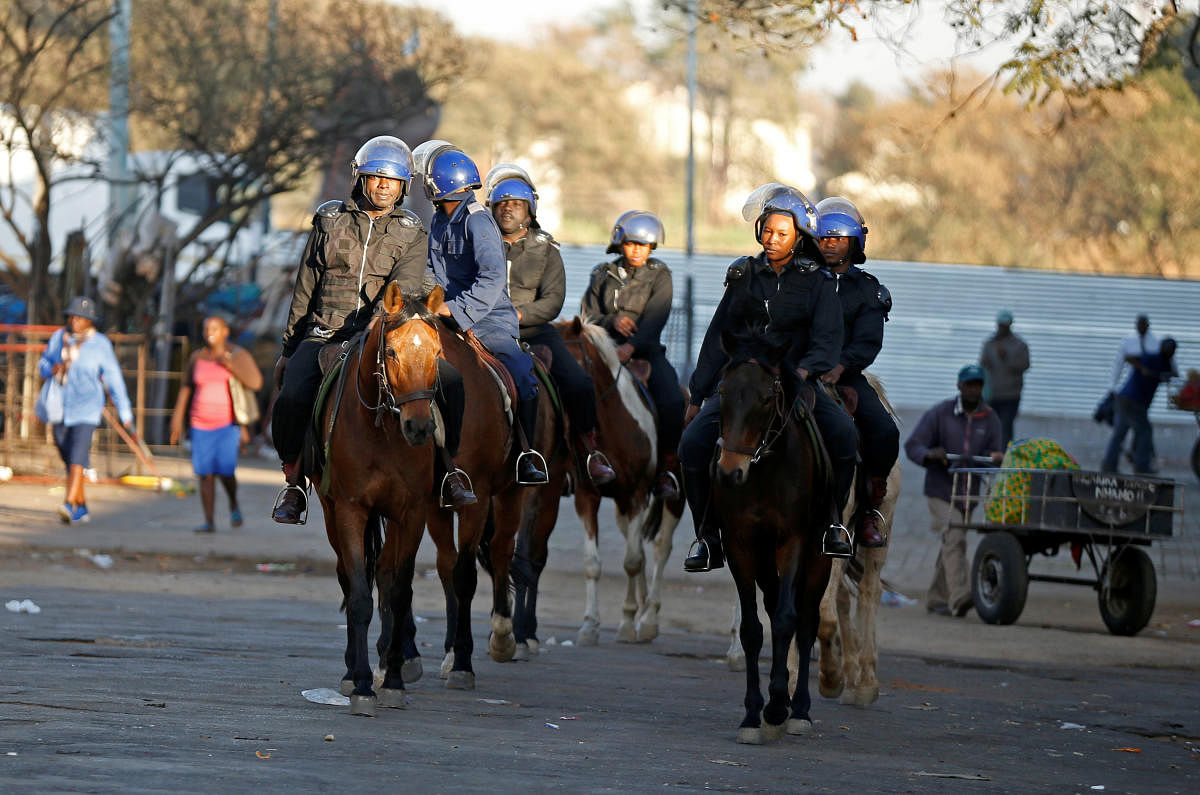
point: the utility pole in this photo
(120, 185)
(691, 155)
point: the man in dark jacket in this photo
(537, 284)
(354, 249)
(1005, 357)
(952, 435)
(865, 306)
(1133, 408)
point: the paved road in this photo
(180, 665)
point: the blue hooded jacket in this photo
(93, 372)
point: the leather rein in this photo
(386, 401)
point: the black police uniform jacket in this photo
(865, 307)
(643, 294)
(537, 281)
(347, 262)
(797, 307)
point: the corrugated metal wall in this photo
(943, 313)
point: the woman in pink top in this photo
(205, 400)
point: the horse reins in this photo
(386, 400)
(770, 435)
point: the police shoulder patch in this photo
(330, 209)
(736, 270)
(408, 218)
(473, 206)
(545, 237)
(884, 297)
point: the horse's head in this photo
(754, 408)
(408, 354)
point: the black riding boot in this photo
(706, 553)
(291, 505)
(838, 542)
(528, 473)
(453, 485)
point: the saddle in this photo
(504, 379)
(848, 398)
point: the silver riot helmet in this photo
(502, 178)
(840, 218)
(384, 156)
(637, 226)
(775, 197)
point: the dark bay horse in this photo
(377, 425)
(627, 433)
(488, 452)
(772, 504)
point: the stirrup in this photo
(847, 536)
(668, 473)
(442, 488)
(603, 459)
(303, 493)
(544, 469)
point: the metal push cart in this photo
(1106, 517)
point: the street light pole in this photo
(691, 155)
(120, 186)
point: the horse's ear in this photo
(393, 298)
(577, 326)
(435, 300)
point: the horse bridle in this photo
(775, 427)
(386, 400)
(587, 366)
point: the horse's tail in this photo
(373, 546)
(653, 519)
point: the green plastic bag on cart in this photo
(1009, 503)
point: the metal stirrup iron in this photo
(543, 468)
(303, 494)
(442, 488)
(847, 535)
(597, 454)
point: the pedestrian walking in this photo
(949, 436)
(80, 370)
(1005, 358)
(206, 404)
(1133, 408)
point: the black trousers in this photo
(575, 386)
(1006, 410)
(668, 401)
(879, 434)
(292, 415)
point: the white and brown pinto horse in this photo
(627, 433)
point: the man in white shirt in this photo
(1137, 344)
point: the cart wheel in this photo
(1127, 591)
(1196, 458)
(999, 578)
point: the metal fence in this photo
(943, 314)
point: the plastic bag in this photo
(49, 407)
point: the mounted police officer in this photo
(631, 298)
(780, 296)
(537, 284)
(865, 307)
(354, 249)
(466, 255)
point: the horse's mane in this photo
(607, 350)
(603, 343)
(877, 385)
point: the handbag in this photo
(245, 402)
(49, 407)
(1105, 410)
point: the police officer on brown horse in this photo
(865, 307)
(537, 284)
(356, 247)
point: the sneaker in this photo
(79, 514)
(235, 518)
(204, 528)
(64, 512)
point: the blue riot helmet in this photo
(775, 197)
(636, 226)
(510, 181)
(384, 156)
(448, 174)
(840, 218)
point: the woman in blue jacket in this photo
(84, 368)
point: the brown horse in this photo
(377, 425)
(488, 452)
(772, 504)
(627, 433)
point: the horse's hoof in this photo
(866, 696)
(647, 632)
(773, 732)
(522, 654)
(626, 633)
(501, 647)
(460, 680)
(447, 665)
(534, 645)
(363, 705)
(748, 735)
(588, 636)
(393, 697)
(737, 662)
(346, 687)
(379, 675)
(799, 727)
(411, 670)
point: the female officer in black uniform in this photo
(780, 295)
